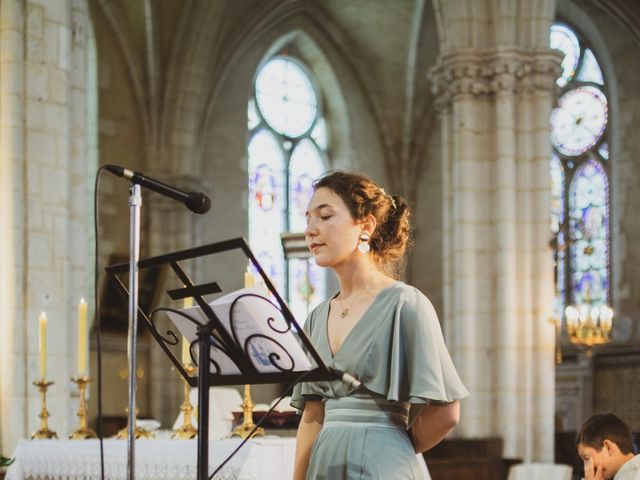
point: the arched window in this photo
(287, 151)
(580, 175)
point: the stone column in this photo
(171, 228)
(494, 89)
(44, 215)
(13, 351)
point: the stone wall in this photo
(45, 214)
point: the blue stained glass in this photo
(604, 151)
(307, 287)
(590, 70)
(557, 217)
(320, 134)
(589, 221)
(563, 39)
(286, 97)
(579, 120)
(286, 103)
(267, 199)
(557, 194)
(305, 166)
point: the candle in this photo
(186, 356)
(249, 280)
(82, 338)
(42, 344)
(187, 302)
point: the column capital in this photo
(493, 71)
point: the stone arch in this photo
(263, 26)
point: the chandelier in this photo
(589, 325)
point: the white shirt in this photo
(630, 470)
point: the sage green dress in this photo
(398, 353)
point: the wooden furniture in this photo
(479, 459)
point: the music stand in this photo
(214, 331)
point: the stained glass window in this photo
(287, 151)
(563, 39)
(579, 175)
(589, 224)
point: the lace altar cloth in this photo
(263, 458)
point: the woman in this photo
(380, 330)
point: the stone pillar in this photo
(44, 213)
(494, 88)
(171, 228)
(13, 348)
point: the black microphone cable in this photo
(96, 253)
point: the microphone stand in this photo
(135, 202)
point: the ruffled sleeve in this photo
(304, 391)
(409, 360)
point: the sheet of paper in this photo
(222, 365)
(256, 325)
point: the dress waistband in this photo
(365, 411)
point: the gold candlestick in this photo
(123, 433)
(82, 431)
(247, 426)
(187, 430)
(44, 431)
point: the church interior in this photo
(507, 125)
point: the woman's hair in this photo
(364, 197)
(601, 427)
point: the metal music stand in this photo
(214, 331)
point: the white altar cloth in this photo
(263, 458)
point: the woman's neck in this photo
(359, 275)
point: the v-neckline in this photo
(355, 325)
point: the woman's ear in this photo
(369, 225)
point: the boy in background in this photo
(606, 448)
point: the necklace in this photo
(345, 311)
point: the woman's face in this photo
(332, 234)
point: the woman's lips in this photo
(313, 246)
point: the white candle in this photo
(42, 344)
(249, 280)
(82, 338)
(186, 355)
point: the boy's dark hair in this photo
(607, 426)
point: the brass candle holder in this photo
(244, 430)
(186, 430)
(82, 432)
(44, 431)
(123, 433)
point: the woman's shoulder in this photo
(409, 293)
(413, 303)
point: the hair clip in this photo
(393, 201)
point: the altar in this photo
(265, 458)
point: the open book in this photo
(257, 326)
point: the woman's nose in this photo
(310, 230)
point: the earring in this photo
(364, 246)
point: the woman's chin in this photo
(321, 261)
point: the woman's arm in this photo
(432, 425)
(310, 425)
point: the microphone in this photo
(346, 378)
(197, 202)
